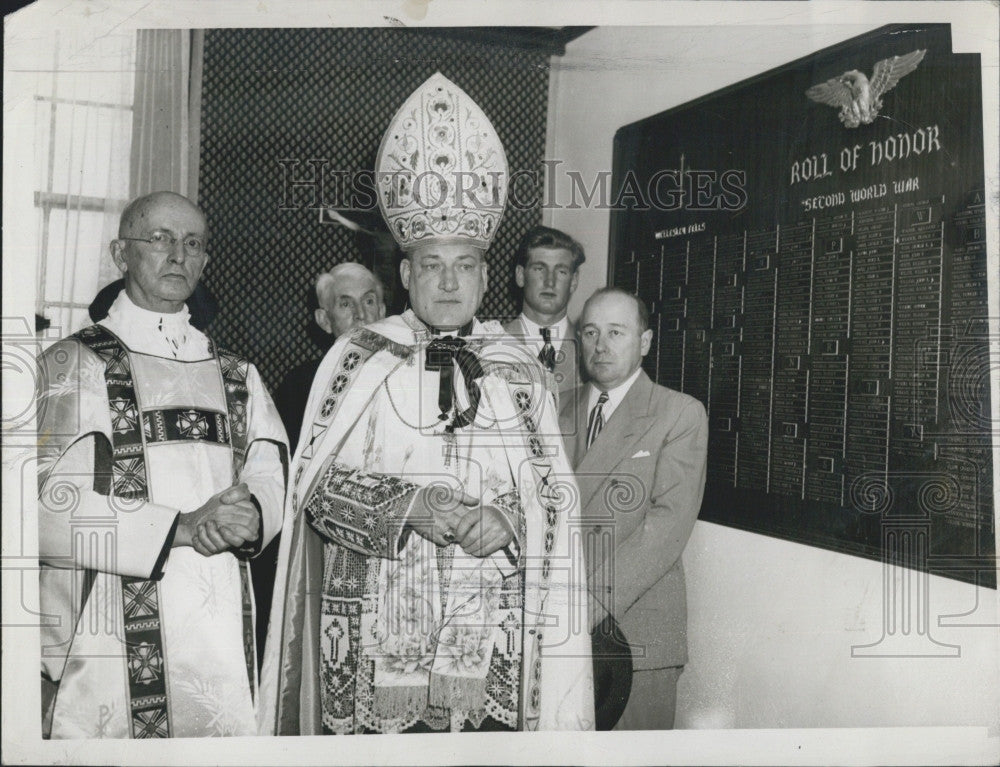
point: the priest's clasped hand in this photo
(443, 516)
(226, 520)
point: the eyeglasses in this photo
(164, 242)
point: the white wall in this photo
(771, 623)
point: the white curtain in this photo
(161, 124)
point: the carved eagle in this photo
(858, 97)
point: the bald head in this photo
(138, 212)
(349, 295)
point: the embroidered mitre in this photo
(441, 170)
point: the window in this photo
(83, 136)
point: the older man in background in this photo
(162, 466)
(348, 295)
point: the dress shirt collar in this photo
(533, 331)
(124, 311)
(463, 332)
(615, 396)
(424, 332)
(163, 334)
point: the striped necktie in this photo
(547, 356)
(596, 421)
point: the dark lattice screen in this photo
(328, 94)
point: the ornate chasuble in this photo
(173, 657)
(399, 631)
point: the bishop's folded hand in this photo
(483, 530)
(436, 512)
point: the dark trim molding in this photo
(551, 40)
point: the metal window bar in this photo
(84, 103)
(66, 305)
(53, 200)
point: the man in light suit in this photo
(638, 450)
(547, 271)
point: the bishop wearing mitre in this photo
(429, 575)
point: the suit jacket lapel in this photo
(570, 332)
(567, 368)
(580, 452)
(625, 427)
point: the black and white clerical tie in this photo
(547, 356)
(596, 421)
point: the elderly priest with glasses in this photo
(427, 579)
(162, 466)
